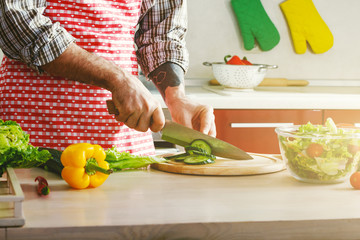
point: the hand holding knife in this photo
(178, 134)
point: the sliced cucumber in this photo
(198, 160)
(179, 159)
(198, 151)
(202, 144)
(191, 150)
(173, 157)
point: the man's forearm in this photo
(79, 65)
(137, 108)
(168, 75)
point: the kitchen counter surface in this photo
(308, 97)
(311, 97)
(150, 204)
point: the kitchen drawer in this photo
(344, 116)
(254, 130)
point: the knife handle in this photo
(111, 107)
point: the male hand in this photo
(137, 108)
(193, 115)
(169, 80)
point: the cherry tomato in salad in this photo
(314, 150)
(355, 180)
(352, 148)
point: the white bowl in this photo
(239, 76)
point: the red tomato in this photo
(314, 150)
(352, 148)
(355, 180)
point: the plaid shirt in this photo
(28, 36)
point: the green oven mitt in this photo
(255, 24)
(306, 25)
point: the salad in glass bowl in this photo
(320, 153)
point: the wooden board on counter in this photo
(261, 164)
(11, 198)
(273, 82)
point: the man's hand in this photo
(137, 107)
(169, 80)
(193, 115)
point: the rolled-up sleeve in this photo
(161, 34)
(29, 36)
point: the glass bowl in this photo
(321, 155)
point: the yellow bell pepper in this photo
(84, 165)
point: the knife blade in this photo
(180, 135)
(183, 136)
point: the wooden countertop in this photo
(150, 204)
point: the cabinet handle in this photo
(260, 125)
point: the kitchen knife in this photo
(178, 134)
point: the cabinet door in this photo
(254, 130)
(345, 117)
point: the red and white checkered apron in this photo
(57, 112)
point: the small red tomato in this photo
(352, 148)
(314, 150)
(355, 180)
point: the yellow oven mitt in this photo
(306, 24)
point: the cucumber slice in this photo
(179, 159)
(190, 148)
(173, 157)
(202, 144)
(198, 151)
(198, 160)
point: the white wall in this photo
(214, 33)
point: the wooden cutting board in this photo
(273, 82)
(261, 164)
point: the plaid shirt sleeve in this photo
(28, 36)
(161, 34)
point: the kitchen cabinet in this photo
(253, 130)
(345, 117)
(248, 119)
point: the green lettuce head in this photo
(15, 150)
(11, 135)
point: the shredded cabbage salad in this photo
(320, 153)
